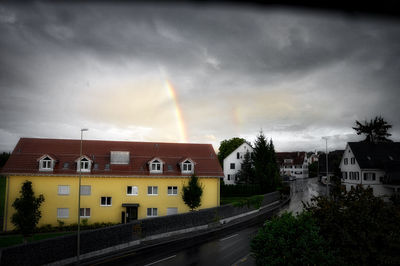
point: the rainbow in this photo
(178, 111)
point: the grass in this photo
(228, 200)
(9, 240)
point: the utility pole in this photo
(327, 176)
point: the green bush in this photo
(364, 228)
(290, 240)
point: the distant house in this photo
(312, 157)
(233, 162)
(375, 165)
(293, 164)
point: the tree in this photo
(246, 174)
(191, 194)
(3, 158)
(290, 240)
(313, 169)
(265, 165)
(375, 131)
(227, 147)
(27, 208)
(364, 228)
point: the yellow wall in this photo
(114, 187)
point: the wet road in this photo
(303, 190)
(232, 249)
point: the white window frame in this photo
(152, 190)
(85, 212)
(187, 167)
(106, 205)
(173, 189)
(87, 164)
(61, 215)
(133, 189)
(63, 190)
(46, 163)
(156, 166)
(153, 212)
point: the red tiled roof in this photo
(24, 157)
(297, 157)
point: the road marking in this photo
(241, 260)
(228, 237)
(170, 257)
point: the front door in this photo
(131, 214)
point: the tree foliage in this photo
(27, 208)
(266, 168)
(364, 228)
(227, 147)
(289, 240)
(313, 169)
(3, 158)
(191, 193)
(246, 173)
(375, 131)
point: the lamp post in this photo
(79, 197)
(326, 158)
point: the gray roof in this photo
(376, 155)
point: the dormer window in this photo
(187, 166)
(46, 163)
(156, 166)
(83, 164)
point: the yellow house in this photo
(120, 181)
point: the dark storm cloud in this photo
(333, 68)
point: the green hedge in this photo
(241, 190)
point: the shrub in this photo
(364, 228)
(289, 240)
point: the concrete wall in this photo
(64, 247)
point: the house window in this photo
(84, 164)
(187, 167)
(353, 160)
(105, 201)
(172, 190)
(152, 190)
(84, 212)
(156, 166)
(63, 190)
(62, 212)
(237, 155)
(131, 190)
(151, 212)
(107, 167)
(357, 175)
(96, 166)
(86, 190)
(369, 176)
(46, 163)
(172, 210)
(66, 166)
(229, 177)
(232, 166)
(346, 161)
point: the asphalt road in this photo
(232, 249)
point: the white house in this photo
(233, 162)
(376, 165)
(293, 164)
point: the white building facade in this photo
(370, 165)
(233, 163)
(293, 164)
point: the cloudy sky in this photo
(194, 73)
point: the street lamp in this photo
(326, 154)
(79, 197)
